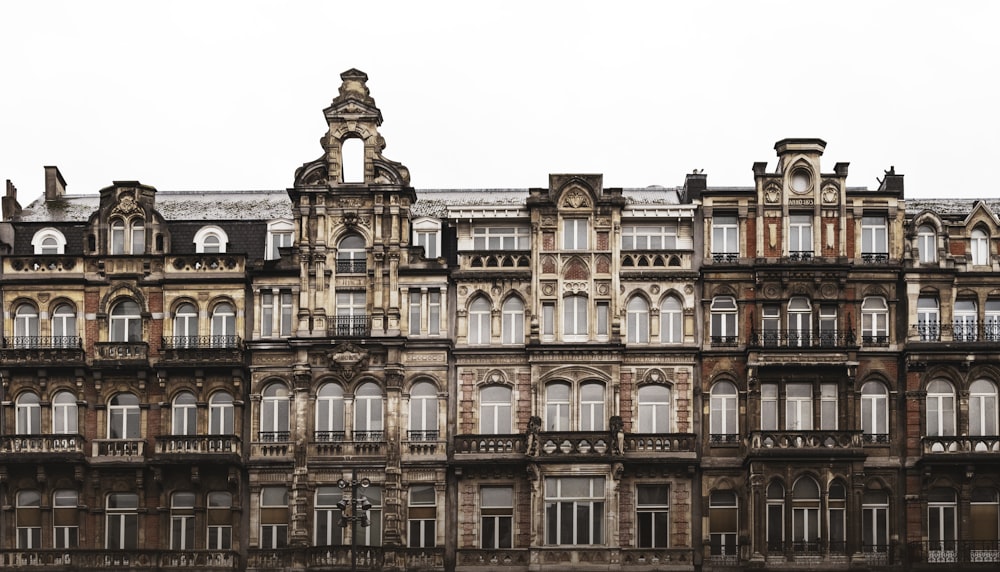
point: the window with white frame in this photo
(182, 521)
(574, 511)
(723, 523)
(224, 326)
(121, 522)
(123, 417)
(29, 414)
(927, 244)
(828, 406)
(723, 421)
(422, 517)
(837, 517)
(352, 314)
(495, 410)
(276, 313)
(875, 522)
(592, 406)
(874, 320)
(64, 414)
(49, 241)
(26, 326)
(479, 321)
(800, 236)
(427, 233)
(965, 327)
(805, 515)
(496, 517)
(654, 409)
(351, 255)
(940, 408)
(576, 234)
(414, 316)
(799, 321)
(218, 515)
(652, 515)
(274, 411)
(327, 516)
(368, 417)
(769, 406)
(770, 324)
(371, 535)
(557, 402)
(828, 325)
(220, 414)
(28, 513)
(725, 238)
(775, 526)
(423, 412)
(637, 321)
(575, 318)
(64, 334)
(984, 518)
(671, 321)
(874, 238)
(329, 413)
(798, 407)
(982, 409)
(928, 319)
(512, 323)
(942, 524)
(126, 322)
(184, 414)
(186, 325)
(603, 313)
(210, 240)
(723, 317)
(991, 321)
(649, 236)
(65, 519)
(280, 234)
(980, 243)
(548, 321)
(501, 238)
(128, 237)
(875, 412)
(273, 517)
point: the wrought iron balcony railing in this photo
(201, 342)
(42, 342)
(961, 332)
(274, 436)
(352, 266)
(357, 326)
(875, 438)
(724, 341)
(724, 438)
(874, 257)
(423, 435)
(800, 255)
(791, 338)
(328, 436)
(726, 257)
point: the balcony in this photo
(574, 444)
(42, 266)
(121, 353)
(490, 448)
(493, 559)
(423, 445)
(726, 257)
(961, 445)
(800, 255)
(118, 450)
(724, 341)
(203, 350)
(805, 443)
(644, 262)
(357, 326)
(75, 559)
(326, 557)
(874, 257)
(660, 445)
(197, 446)
(495, 260)
(339, 444)
(35, 447)
(205, 263)
(276, 445)
(42, 351)
(798, 339)
(952, 552)
(352, 266)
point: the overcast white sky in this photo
(229, 95)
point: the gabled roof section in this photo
(172, 205)
(953, 209)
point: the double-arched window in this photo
(560, 416)
(128, 237)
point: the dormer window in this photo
(128, 237)
(210, 240)
(280, 234)
(49, 241)
(427, 233)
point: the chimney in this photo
(695, 184)
(891, 182)
(55, 185)
(9, 204)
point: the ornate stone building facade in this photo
(356, 373)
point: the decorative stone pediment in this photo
(348, 360)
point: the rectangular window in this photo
(723, 516)
(723, 320)
(875, 522)
(800, 236)
(422, 509)
(798, 407)
(65, 523)
(371, 535)
(182, 521)
(271, 306)
(575, 233)
(828, 325)
(285, 327)
(496, 517)
(575, 318)
(771, 325)
(414, 312)
(276, 241)
(603, 311)
(218, 515)
(328, 515)
(828, 406)
(652, 516)
(122, 522)
(649, 237)
(273, 517)
(874, 237)
(501, 238)
(725, 239)
(574, 511)
(266, 314)
(434, 312)
(29, 519)
(548, 321)
(429, 240)
(769, 407)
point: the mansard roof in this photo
(950, 208)
(173, 206)
(435, 202)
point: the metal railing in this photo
(793, 338)
(42, 342)
(874, 257)
(423, 435)
(726, 257)
(200, 342)
(800, 255)
(328, 436)
(352, 266)
(274, 436)
(356, 326)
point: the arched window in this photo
(965, 326)
(982, 409)
(64, 334)
(723, 517)
(122, 522)
(984, 518)
(368, 417)
(671, 320)
(513, 321)
(928, 319)
(138, 236)
(128, 238)
(775, 517)
(64, 414)
(26, 326)
(722, 415)
(940, 408)
(654, 409)
(224, 326)
(49, 241)
(479, 321)
(837, 516)
(592, 407)
(423, 412)
(184, 414)
(29, 414)
(118, 236)
(274, 407)
(557, 407)
(351, 256)
(352, 155)
(638, 321)
(980, 247)
(186, 325)
(875, 412)
(210, 240)
(874, 320)
(182, 521)
(495, 410)
(123, 417)
(126, 322)
(927, 244)
(65, 518)
(220, 414)
(805, 515)
(28, 513)
(942, 524)
(799, 321)
(875, 522)
(329, 413)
